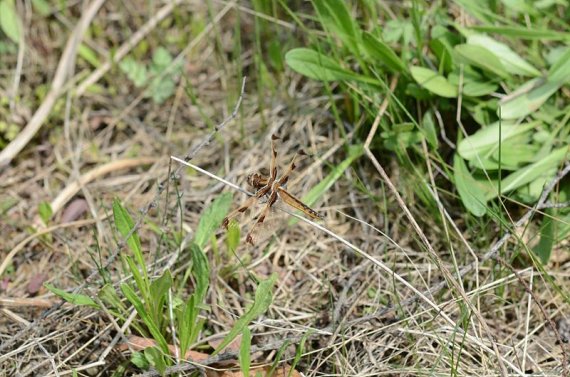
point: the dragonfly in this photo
(272, 188)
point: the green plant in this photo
(151, 296)
(505, 149)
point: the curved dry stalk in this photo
(33, 126)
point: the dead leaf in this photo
(138, 343)
(36, 283)
(74, 210)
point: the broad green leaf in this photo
(532, 95)
(136, 72)
(72, 298)
(380, 51)
(337, 20)
(262, 301)
(560, 71)
(317, 66)
(244, 351)
(510, 60)
(486, 140)
(479, 89)
(212, 218)
(9, 20)
(531, 172)
(471, 195)
(433, 82)
(125, 224)
(547, 234)
(145, 316)
(140, 360)
(442, 49)
(354, 152)
(155, 358)
(161, 89)
(482, 58)
(45, 212)
(515, 153)
(201, 271)
(161, 59)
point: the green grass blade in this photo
(263, 298)
(244, 351)
(354, 152)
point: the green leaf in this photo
(125, 224)
(531, 97)
(140, 361)
(109, 296)
(145, 316)
(479, 89)
(560, 71)
(433, 82)
(72, 298)
(244, 351)
(42, 7)
(354, 152)
(509, 59)
(161, 89)
(161, 59)
(429, 129)
(337, 20)
(444, 52)
(233, 235)
(188, 324)
(200, 270)
(383, 53)
(45, 212)
(524, 33)
(89, 55)
(483, 58)
(472, 196)
(158, 294)
(486, 140)
(547, 234)
(262, 301)
(316, 66)
(136, 72)
(212, 218)
(156, 359)
(9, 20)
(534, 171)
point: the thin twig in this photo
(448, 276)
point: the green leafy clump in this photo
(152, 297)
(507, 148)
(159, 77)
